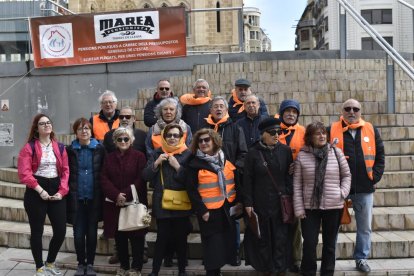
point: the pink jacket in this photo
(335, 188)
(27, 166)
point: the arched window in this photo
(164, 5)
(218, 17)
(147, 6)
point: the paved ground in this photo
(18, 262)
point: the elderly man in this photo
(362, 145)
(234, 147)
(107, 118)
(196, 105)
(238, 96)
(163, 91)
(250, 123)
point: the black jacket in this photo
(251, 128)
(194, 115)
(355, 156)
(72, 202)
(172, 180)
(257, 189)
(139, 142)
(237, 116)
(149, 114)
(234, 143)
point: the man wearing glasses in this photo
(107, 118)
(163, 91)
(364, 150)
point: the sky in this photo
(278, 18)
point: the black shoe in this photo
(80, 271)
(182, 274)
(153, 274)
(113, 259)
(237, 261)
(362, 265)
(168, 262)
(294, 268)
(90, 271)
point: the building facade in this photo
(392, 20)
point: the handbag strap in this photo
(162, 177)
(135, 197)
(271, 176)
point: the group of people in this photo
(230, 158)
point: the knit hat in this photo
(269, 123)
(289, 103)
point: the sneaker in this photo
(52, 269)
(133, 272)
(121, 272)
(90, 271)
(41, 271)
(80, 271)
(362, 265)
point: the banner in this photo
(108, 37)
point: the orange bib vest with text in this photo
(367, 143)
(100, 127)
(209, 189)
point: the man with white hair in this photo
(107, 118)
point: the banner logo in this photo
(127, 26)
(56, 41)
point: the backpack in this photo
(32, 146)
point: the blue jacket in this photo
(251, 128)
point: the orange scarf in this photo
(190, 99)
(237, 101)
(210, 121)
(361, 123)
(171, 150)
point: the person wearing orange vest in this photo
(211, 185)
(107, 118)
(196, 105)
(292, 135)
(362, 145)
(266, 160)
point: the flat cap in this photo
(242, 82)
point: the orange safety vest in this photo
(298, 139)
(367, 142)
(100, 127)
(156, 140)
(209, 189)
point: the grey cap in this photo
(242, 82)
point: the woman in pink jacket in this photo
(43, 167)
(321, 182)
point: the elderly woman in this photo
(165, 170)
(122, 168)
(168, 111)
(272, 252)
(43, 168)
(84, 208)
(321, 183)
(211, 185)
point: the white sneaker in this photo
(52, 269)
(121, 272)
(41, 271)
(133, 272)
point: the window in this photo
(377, 16)
(325, 22)
(304, 35)
(218, 17)
(253, 20)
(252, 35)
(368, 43)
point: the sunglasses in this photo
(44, 123)
(204, 140)
(122, 139)
(121, 117)
(355, 109)
(172, 135)
(274, 131)
(164, 88)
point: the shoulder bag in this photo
(174, 200)
(134, 215)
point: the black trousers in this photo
(36, 209)
(171, 230)
(330, 220)
(137, 249)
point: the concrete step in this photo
(396, 179)
(396, 133)
(399, 163)
(9, 175)
(12, 190)
(398, 197)
(399, 147)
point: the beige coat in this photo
(336, 185)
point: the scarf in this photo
(217, 163)
(237, 101)
(190, 99)
(288, 128)
(321, 159)
(351, 126)
(210, 121)
(161, 124)
(171, 150)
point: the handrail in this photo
(405, 66)
(60, 6)
(406, 4)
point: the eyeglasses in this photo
(204, 140)
(171, 135)
(107, 102)
(121, 117)
(164, 88)
(122, 139)
(86, 129)
(355, 109)
(274, 131)
(44, 123)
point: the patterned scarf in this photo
(217, 162)
(321, 158)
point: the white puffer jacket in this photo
(336, 185)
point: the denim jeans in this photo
(85, 228)
(362, 204)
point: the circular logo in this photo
(56, 41)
